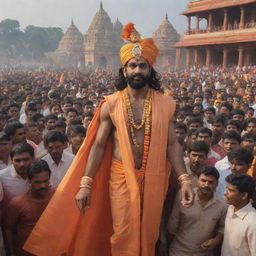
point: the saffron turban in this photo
(138, 47)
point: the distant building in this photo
(228, 38)
(70, 51)
(165, 37)
(103, 42)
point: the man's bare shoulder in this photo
(104, 113)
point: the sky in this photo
(146, 14)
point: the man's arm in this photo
(95, 156)
(175, 156)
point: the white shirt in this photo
(223, 164)
(240, 232)
(222, 182)
(3, 165)
(58, 171)
(41, 149)
(13, 184)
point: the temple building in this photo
(219, 32)
(103, 42)
(70, 52)
(165, 37)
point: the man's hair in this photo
(237, 111)
(212, 109)
(88, 103)
(243, 182)
(76, 129)
(72, 110)
(232, 135)
(29, 124)
(51, 116)
(53, 136)
(30, 107)
(204, 130)
(21, 147)
(199, 146)
(195, 120)
(227, 105)
(181, 126)
(250, 120)
(153, 81)
(13, 105)
(38, 166)
(219, 119)
(4, 136)
(236, 123)
(36, 116)
(249, 135)
(53, 104)
(60, 124)
(241, 154)
(11, 128)
(210, 171)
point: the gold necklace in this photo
(145, 117)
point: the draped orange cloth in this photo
(252, 170)
(123, 219)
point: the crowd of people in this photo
(44, 116)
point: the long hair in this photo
(153, 80)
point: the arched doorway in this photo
(103, 62)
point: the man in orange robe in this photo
(125, 160)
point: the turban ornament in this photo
(138, 46)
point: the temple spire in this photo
(72, 21)
(101, 5)
(166, 16)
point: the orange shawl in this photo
(62, 228)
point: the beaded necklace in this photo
(144, 121)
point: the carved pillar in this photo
(210, 23)
(188, 25)
(240, 56)
(225, 20)
(196, 52)
(225, 57)
(242, 16)
(178, 57)
(208, 56)
(197, 24)
(188, 56)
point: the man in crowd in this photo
(58, 161)
(5, 148)
(14, 177)
(240, 160)
(231, 140)
(199, 229)
(23, 211)
(240, 223)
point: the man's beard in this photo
(137, 84)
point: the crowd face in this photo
(21, 163)
(251, 127)
(230, 144)
(207, 184)
(204, 137)
(181, 135)
(233, 196)
(40, 183)
(5, 146)
(197, 159)
(14, 112)
(19, 136)
(248, 143)
(55, 149)
(239, 166)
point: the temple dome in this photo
(72, 40)
(166, 35)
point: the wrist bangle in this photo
(184, 178)
(86, 182)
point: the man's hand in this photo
(187, 195)
(83, 199)
(209, 244)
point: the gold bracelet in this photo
(86, 181)
(184, 178)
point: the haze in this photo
(146, 14)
